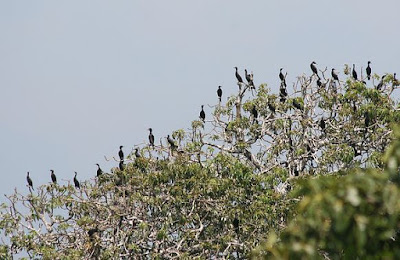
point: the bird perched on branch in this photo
(322, 124)
(219, 93)
(171, 142)
(380, 85)
(255, 114)
(121, 153)
(99, 171)
(202, 114)
(368, 70)
(76, 182)
(314, 68)
(249, 78)
(137, 154)
(29, 180)
(334, 75)
(354, 72)
(151, 137)
(53, 177)
(271, 107)
(238, 77)
(297, 105)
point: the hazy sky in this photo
(80, 78)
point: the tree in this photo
(355, 214)
(216, 190)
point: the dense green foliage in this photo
(263, 168)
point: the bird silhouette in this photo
(137, 154)
(334, 75)
(76, 182)
(121, 153)
(202, 114)
(219, 93)
(99, 171)
(53, 177)
(368, 70)
(238, 77)
(171, 142)
(314, 68)
(380, 84)
(29, 180)
(151, 137)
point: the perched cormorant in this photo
(29, 180)
(354, 72)
(171, 142)
(249, 78)
(367, 119)
(322, 124)
(254, 113)
(76, 182)
(53, 177)
(121, 153)
(99, 171)
(271, 107)
(368, 70)
(202, 114)
(219, 93)
(239, 78)
(281, 76)
(137, 154)
(313, 67)
(380, 85)
(334, 75)
(297, 105)
(235, 223)
(151, 137)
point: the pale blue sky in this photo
(80, 78)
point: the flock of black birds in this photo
(249, 78)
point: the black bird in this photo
(99, 171)
(254, 113)
(367, 119)
(249, 78)
(171, 142)
(380, 85)
(314, 68)
(281, 76)
(394, 77)
(202, 114)
(29, 180)
(219, 93)
(354, 72)
(91, 232)
(121, 153)
(151, 137)
(322, 124)
(53, 177)
(297, 105)
(271, 107)
(334, 75)
(296, 172)
(368, 70)
(235, 224)
(239, 78)
(137, 154)
(76, 182)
